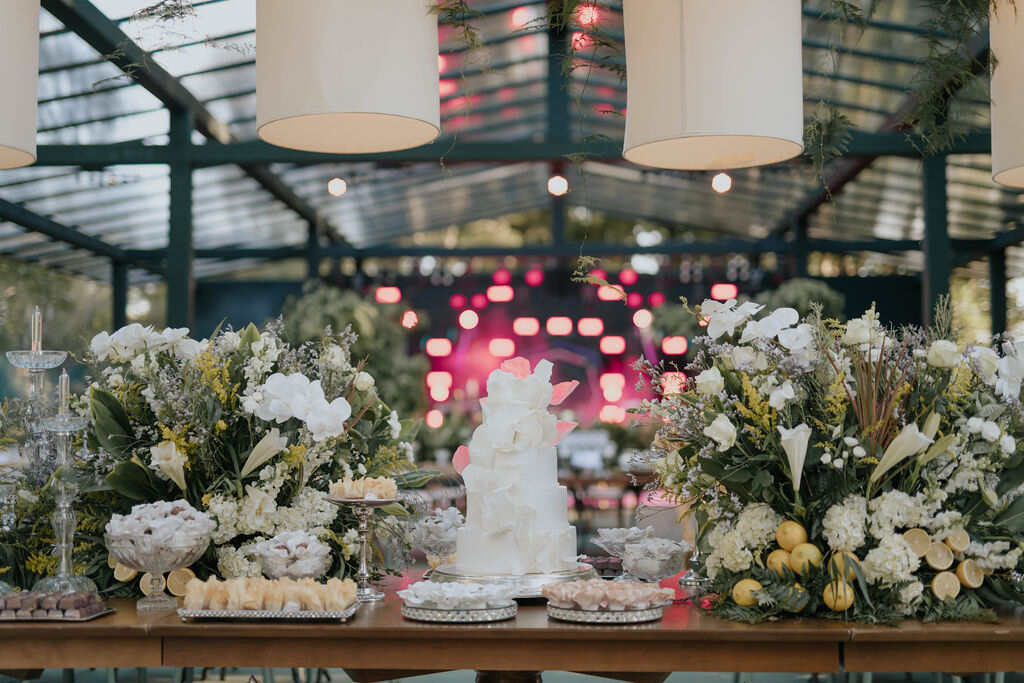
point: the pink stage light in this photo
(643, 318)
(611, 293)
(435, 418)
(478, 301)
(635, 300)
(559, 326)
(502, 276)
(588, 15)
(500, 293)
(457, 301)
(723, 291)
(613, 346)
(656, 299)
(439, 378)
(599, 274)
(612, 386)
(613, 414)
(590, 327)
(446, 87)
(526, 327)
(521, 16)
(502, 348)
(440, 393)
(580, 40)
(468, 320)
(534, 276)
(673, 382)
(388, 295)
(442, 63)
(674, 346)
(439, 347)
(628, 277)
(410, 320)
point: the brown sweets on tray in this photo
(30, 606)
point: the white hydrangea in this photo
(730, 553)
(910, 594)
(756, 525)
(994, 556)
(845, 524)
(225, 511)
(235, 562)
(892, 562)
(897, 510)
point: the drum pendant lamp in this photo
(19, 55)
(1006, 36)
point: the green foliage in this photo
(827, 137)
(800, 294)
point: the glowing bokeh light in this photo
(634, 299)
(612, 386)
(440, 393)
(502, 348)
(439, 378)
(721, 183)
(558, 186)
(559, 326)
(590, 327)
(534, 276)
(612, 414)
(457, 301)
(587, 14)
(598, 274)
(643, 318)
(611, 293)
(337, 187)
(612, 346)
(526, 327)
(580, 40)
(656, 299)
(501, 276)
(446, 87)
(628, 277)
(435, 418)
(388, 295)
(468, 320)
(410, 320)
(723, 291)
(674, 346)
(500, 293)
(439, 347)
(673, 382)
(521, 16)
(478, 301)
(442, 63)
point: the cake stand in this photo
(363, 510)
(525, 586)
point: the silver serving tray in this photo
(460, 616)
(266, 615)
(525, 586)
(27, 620)
(581, 616)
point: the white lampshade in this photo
(713, 84)
(19, 74)
(347, 76)
(1006, 40)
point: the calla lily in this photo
(931, 424)
(270, 445)
(794, 443)
(908, 442)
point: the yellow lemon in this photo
(111, 561)
(803, 557)
(178, 580)
(743, 592)
(946, 586)
(123, 573)
(939, 556)
(842, 565)
(919, 541)
(838, 596)
(795, 599)
(958, 540)
(777, 559)
(790, 534)
(146, 584)
(970, 574)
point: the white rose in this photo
(710, 382)
(364, 381)
(230, 341)
(858, 331)
(990, 431)
(943, 354)
(1007, 444)
(742, 356)
(129, 339)
(722, 431)
(1011, 374)
(987, 363)
(100, 346)
(115, 380)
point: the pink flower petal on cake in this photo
(563, 429)
(562, 391)
(460, 459)
(518, 366)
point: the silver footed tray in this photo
(97, 615)
(267, 615)
(461, 616)
(525, 586)
(587, 616)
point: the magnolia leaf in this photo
(395, 509)
(131, 481)
(110, 423)
(415, 479)
(1013, 516)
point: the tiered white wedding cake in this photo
(517, 514)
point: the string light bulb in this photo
(558, 186)
(721, 183)
(337, 187)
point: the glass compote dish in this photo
(613, 541)
(654, 559)
(156, 557)
(363, 509)
(435, 534)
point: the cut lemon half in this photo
(958, 540)
(970, 574)
(743, 592)
(939, 556)
(111, 561)
(946, 586)
(919, 540)
(790, 534)
(777, 559)
(178, 580)
(146, 584)
(124, 574)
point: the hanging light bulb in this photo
(1006, 31)
(19, 53)
(324, 83)
(558, 186)
(337, 187)
(721, 183)
(713, 85)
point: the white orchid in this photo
(780, 395)
(725, 317)
(943, 354)
(986, 362)
(797, 338)
(794, 443)
(770, 326)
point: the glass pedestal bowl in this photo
(146, 554)
(654, 559)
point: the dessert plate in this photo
(461, 616)
(586, 616)
(105, 612)
(266, 615)
(526, 586)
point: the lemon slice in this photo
(111, 561)
(946, 586)
(147, 587)
(743, 592)
(124, 574)
(178, 580)
(919, 541)
(958, 540)
(777, 559)
(790, 534)
(939, 556)
(970, 574)
(838, 596)
(803, 557)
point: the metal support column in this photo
(997, 290)
(119, 293)
(180, 279)
(937, 249)
(800, 250)
(312, 251)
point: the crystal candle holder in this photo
(363, 509)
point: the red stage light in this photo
(590, 327)
(439, 378)
(446, 87)
(388, 295)
(612, 386)
(468, 320)
(534, 277)
(435, 418)
(643, 318)
(559, 326)
(526, 327)
(723, 291)
(500, 293)
(656, 299)
(628, 277)
(674, 346)
(673, 382)
(410, 320)
(457, 301)
(612, 346)
(439, 347)
(502, 348)
(588, 15)
(440, 393)
(502, 276)
(611, 293)
(599, 274)
(613, 414)
(634, 299)
(478, 301)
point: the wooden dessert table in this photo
(379, 644)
